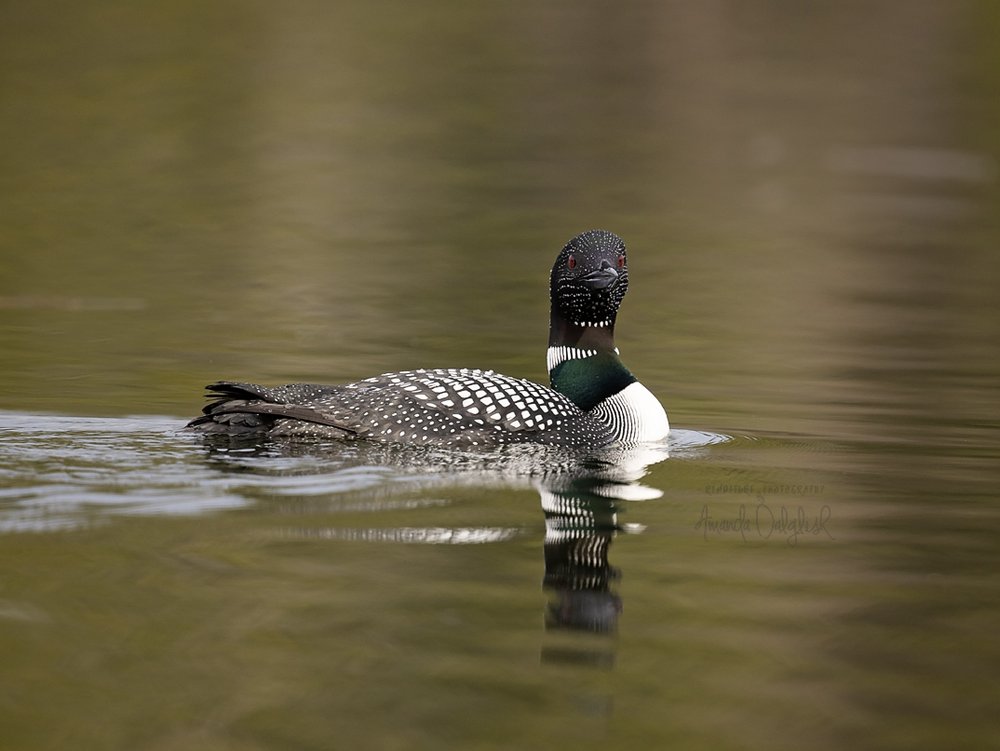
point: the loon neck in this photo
(597, 336)
(583, 362)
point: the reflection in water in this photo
(65, 473)
(579, 525)
(411, 535)
(579, 493)
(581, 519)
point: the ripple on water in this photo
(62, 472)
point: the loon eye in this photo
(621, 261)
(571, 262)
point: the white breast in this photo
(635, 413)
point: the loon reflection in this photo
(579, 526)
(581, 521)
(581, 495)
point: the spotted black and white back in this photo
(434, 407)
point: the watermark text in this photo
(763, 521)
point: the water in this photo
(321, 193)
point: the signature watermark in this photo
(766, 489)
(764, 521)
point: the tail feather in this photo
(245, 408)
(238, 388)
(224, 391)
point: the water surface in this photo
(321, 193)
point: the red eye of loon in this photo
(621, 261)
(571, 262)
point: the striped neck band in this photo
(558, 355)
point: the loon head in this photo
(589, 280)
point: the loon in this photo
(594, 401)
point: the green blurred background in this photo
(320, 191)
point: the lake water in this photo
(322, 192)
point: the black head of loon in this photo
(588, 282)
(594, 400)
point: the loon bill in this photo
(594, 400)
